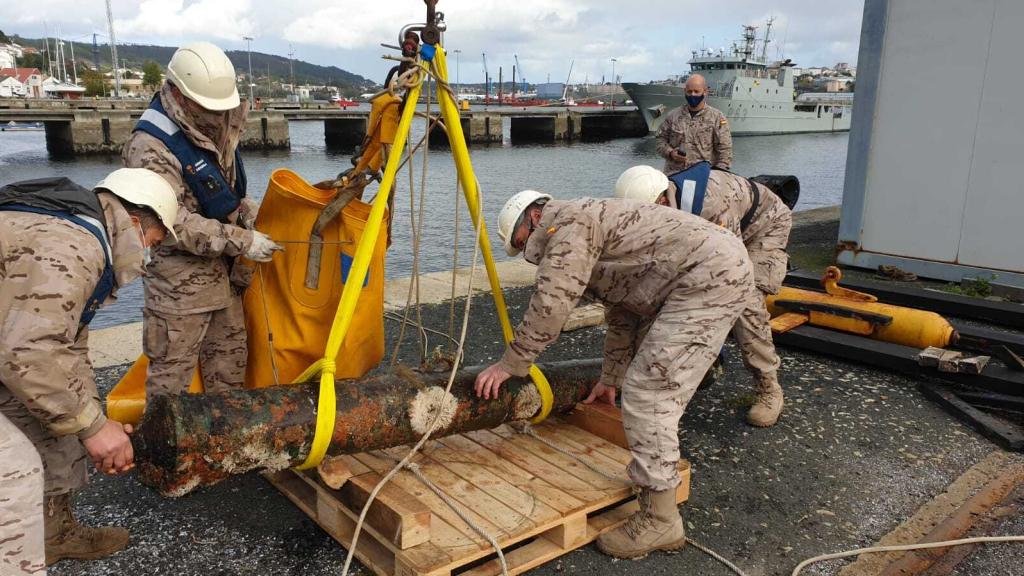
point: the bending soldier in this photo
(64, 250)
(673, 285)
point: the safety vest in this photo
(691, 186)
(217, 199)
(62, 198)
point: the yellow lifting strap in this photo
(326, 367)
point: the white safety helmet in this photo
(145, 188)
(204, 74)
(512, 211)
(641, 183)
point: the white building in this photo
(10, 87)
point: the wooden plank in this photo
(546, 492)
(505, 519)
(447, 530)
(394, 514)
(601, 420)
(568, 465)
(527, 460)
(370, 552)
(559, 429)
(495, 484)
(787, 321)
(585, 453)
(571, 533)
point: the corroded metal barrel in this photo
(190, 440)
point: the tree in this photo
(95, 83)
(3, 38)
(151, 74)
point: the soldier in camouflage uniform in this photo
(694, 132)
(64, 250)
(193, 311)
(729, 201)
(673, 285)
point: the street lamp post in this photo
(615, 83)
(248, 41)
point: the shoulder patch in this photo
(723, 122)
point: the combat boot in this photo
(768, 404)
(66, 538)
(656, 526)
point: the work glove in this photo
(247, 212)
(262, 247)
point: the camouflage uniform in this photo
(673, 286)
(22, 549)
(727, 200)
(193, 311)
(705, 134)
(48, 269)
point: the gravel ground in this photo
(856, 452)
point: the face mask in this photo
(694, 101)
(147, 255)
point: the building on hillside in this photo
(11, 88)
(838, 84)
(60, 90)
(30, 78)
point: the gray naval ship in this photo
(756, 96)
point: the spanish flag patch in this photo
(722, 122)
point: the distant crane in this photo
(522, 76)
(565, 89)
(487, 81)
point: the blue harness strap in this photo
(217, 199)
(691, 186)
(105, 286)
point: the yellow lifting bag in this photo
(280, 303)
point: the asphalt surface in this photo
(856, 452)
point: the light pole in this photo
(248, 40)
(615, 83)
(457, 52)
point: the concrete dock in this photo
(101, 126)
(859, 456)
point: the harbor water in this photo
(568, 170)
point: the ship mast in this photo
(749, 37)
(767, 39)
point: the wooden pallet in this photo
(538, 503)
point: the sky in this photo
(649, 39)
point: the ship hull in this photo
(746, 117)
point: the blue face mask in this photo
(694, 101)
(147, 256)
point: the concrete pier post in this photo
(484, 128)
(439, 138)
(344, 133)
(99, 132)
(605, 126)
(266, 130)
(59, 142)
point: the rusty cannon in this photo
(194, 440)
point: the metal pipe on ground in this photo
(188, 441)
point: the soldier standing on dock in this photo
(673, 286)
(190, 135)
(694, 132)
(763, 221)
(64, 249)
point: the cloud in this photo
(220, 19)
(651, 39)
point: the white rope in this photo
(876, 549)
(404, 463)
